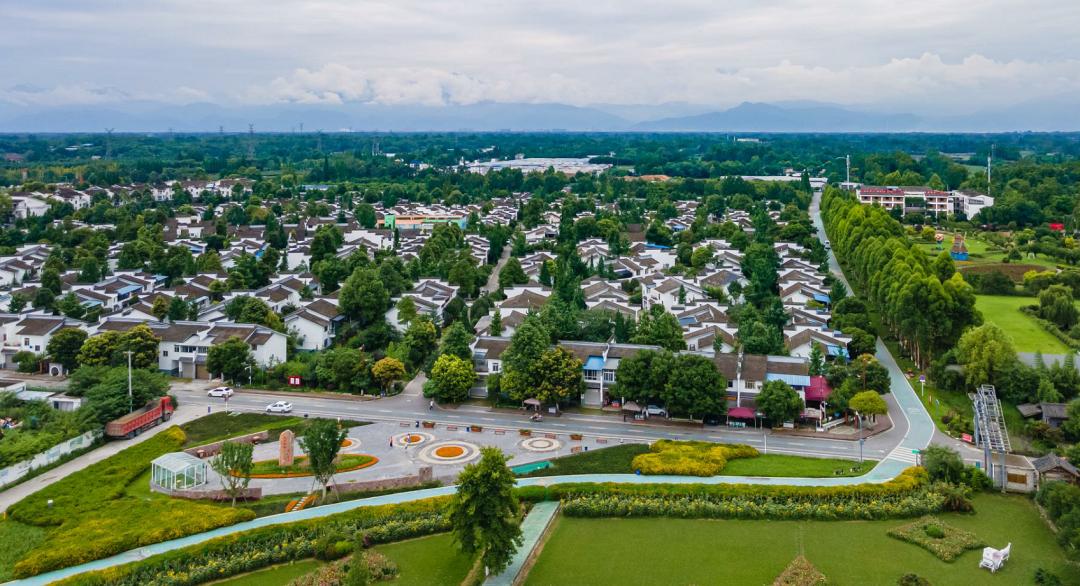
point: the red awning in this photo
(740, 412)
(819, 389)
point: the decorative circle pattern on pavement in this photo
(413, 438)
(349, 443)
(540, 444)
(450, 452)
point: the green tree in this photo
(526, 346)
(986, 353)
(695, 387)
(17, 303)
(160, 307)
(233, 465)
(643, 376)
(108, 398)
(496, 323)
(70, 306)
(512, 274)
(451, 379)
(325, 243)
(321, 443)
(944, 464)
(344, 369)
(1056, 306)
(386, 371)
(701, 256)
(817, 361)
(143, 345)
(779, 402)
(456, 341)
(420, 340)
(363, 297)
(99, 350)
(868, 403)
(64, 347)
(559, 376)
(943, 266)
(231, 358)
(179, 310)
(406, 310)
(1071, 425)
(484, 513)
(660, 328)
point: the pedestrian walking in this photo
(431, 405)
(391, 441)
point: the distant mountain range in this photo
(1059, 114)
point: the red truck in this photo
(132, 424)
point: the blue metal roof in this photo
(821, 298)
(836, 350)
(129, 289)
(795, 380)
(686, 321)
(594, 363)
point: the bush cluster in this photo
(252, 550)
(944, 541)
(689, 458)
(1062, 504)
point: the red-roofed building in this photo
(819, 389)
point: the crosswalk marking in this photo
(903, 454)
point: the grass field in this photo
(617, 460)
(1027, 335)
(979, 252)
(686, 551)
(428, 561)
(274, 575)
(16, 540)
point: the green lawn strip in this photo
(428, 561)
(276, 503)
(299, 466)
(16, 539)
(618, 460)
(1027, 335)
(279, 575)
(610, 460)
(795, 466)
(674, 551)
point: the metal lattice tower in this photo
(990, 432)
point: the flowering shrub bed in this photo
(689, 458)
(800, 572)
(944, 541)
(252, 550)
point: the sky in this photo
(910, 55)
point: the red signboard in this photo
(294, 381)
(1057, 227)
(966, 437)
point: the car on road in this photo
(279, 407)
(656, 411)
(220, 392)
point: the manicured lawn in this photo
(428, 561)
(16, 539)
(617, 460)
(274, 575)
(300, 467)
(1027, 335)
(612, 460)
(687, 551)
(979, 252)
(782, 465)
(221, 425)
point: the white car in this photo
(279, 407)
(653, 410)
(220, 392)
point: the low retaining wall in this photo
(16, 471)
(424, 475)
(208, 450)
(249, 494)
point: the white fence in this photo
(16, 471)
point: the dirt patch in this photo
(1014, 271)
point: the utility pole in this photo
(108, 142)
(251, 142)
(989, 164)
(847, 165)
(131, 396)
(301, 128)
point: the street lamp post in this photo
(131, 396)
(861, 438)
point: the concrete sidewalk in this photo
(183, 414)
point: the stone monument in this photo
(285, 448)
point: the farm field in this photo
(675, 551)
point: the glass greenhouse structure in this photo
(178, 471)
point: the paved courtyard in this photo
(445, 449)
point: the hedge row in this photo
(259, 548)
(85, 491)
(689, 458)
(911, 479)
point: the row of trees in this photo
(925, 306)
